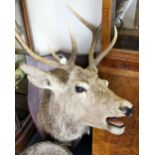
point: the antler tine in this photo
(107, 50)
(55, 56)
(36, 56)
(93, 45)
(95, 32)
(74, 46)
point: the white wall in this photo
(49, 20)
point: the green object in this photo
(19, 75)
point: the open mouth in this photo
(115, 122)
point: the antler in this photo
(108, 49)
(52, 63)
(36, 56)
(95, 33)
(74, 47)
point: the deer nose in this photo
(126, 110)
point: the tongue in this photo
(115, 122)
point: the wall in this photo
(49, 20)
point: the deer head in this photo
(77, 96)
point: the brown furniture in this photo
(120, 68)
(24, 135)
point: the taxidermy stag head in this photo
(75, 98)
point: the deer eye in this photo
(79, 89)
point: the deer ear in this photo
(41, 82)
(39, 78)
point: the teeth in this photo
(115, 122)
